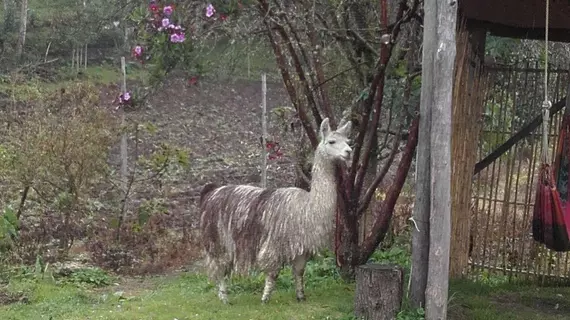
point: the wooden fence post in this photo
(263, 130)
(439, 35)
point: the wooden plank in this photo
(520, 18)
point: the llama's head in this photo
(334, 144)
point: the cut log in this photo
(379, 291)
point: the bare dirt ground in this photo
(220, 123)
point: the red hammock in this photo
(551, 214)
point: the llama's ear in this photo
(345, 129)
(325, 128)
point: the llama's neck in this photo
(323, 194)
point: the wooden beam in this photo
(501, 30)
(521, 134)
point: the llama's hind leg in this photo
(299, 264)
(218, 273)
(270, 279)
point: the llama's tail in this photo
(206, 190)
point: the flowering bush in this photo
(166, 37)
(161, 39)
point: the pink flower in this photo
(165, 22)
(210, 10)
(177, 37)
(167, 10)
(137, 51)
(124, 99)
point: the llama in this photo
(245, 227)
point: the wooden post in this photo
(249, 57)
(263, 130)
(85, 57)
(124, 154)
(79, 56)
(439, 36)
(421, 211)
(379, 291)
(420, 214)
(72, 57)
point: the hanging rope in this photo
(546, 103)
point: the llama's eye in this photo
(332, 142)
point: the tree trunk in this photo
(379, 291)
(23, 28)
(439, 43)
(349, 245)
(367, 217)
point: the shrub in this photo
(56, 155)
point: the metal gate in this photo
(504, 192)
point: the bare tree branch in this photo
(311, 134)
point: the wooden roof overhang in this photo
(519, 18)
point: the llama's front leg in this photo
(298, 272)
(269, 285)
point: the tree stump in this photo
(379, 291)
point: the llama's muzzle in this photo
(347, 154)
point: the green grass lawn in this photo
(190, 296)
(176, 297)
(507, 301)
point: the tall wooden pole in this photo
(263, 130)
(432, 212)
(441, 35)
(85, 49)
(124, 152)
